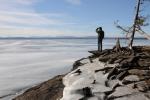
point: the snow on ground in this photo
(74, 82)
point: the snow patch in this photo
(85, 76)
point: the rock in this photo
(77, 64)
(111, 60)
(87, 92)
(119, 60)
(103, 69)
(96, 52)
(108, 92)
(49, 90)
(115, 86)
(139, 72)
(90, 58)
(94, 82)
(142, 86)
(104, 59)
(112, 72)
(78, 71)
(122, 91)
(122, 75)
(132, 78)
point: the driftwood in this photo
(94, 82)
(112, 72)
(78, 71)
(122, 75)
(103, 69)
(117, 47)
(97, 53)
(90, 58)
(77, 63)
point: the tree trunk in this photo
(134, 25)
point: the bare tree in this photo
(136, 27)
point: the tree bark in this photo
(134, 25)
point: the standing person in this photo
(100, 37)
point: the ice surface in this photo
(74, 82)
(25, 63)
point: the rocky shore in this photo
(49, 90)
(113, 74)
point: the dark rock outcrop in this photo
(49, 90)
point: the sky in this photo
(25, 18)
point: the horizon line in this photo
(61, 37)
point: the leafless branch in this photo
(144, 34)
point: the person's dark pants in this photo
(99, 44)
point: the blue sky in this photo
(65, 17)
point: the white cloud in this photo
(25, 2)
(20, 12)
(28, 19)
(18, 17)
(17, 5)
(21, 2)
(27, 32)
(31, 14)
(74, 2)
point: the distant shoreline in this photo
(67, 37)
